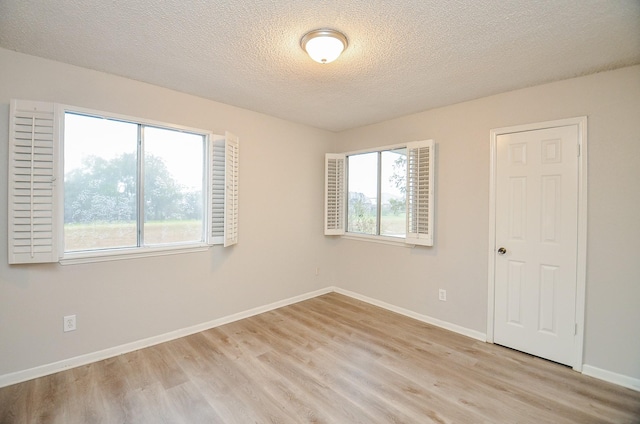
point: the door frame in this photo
(581, 123)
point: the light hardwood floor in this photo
(331, 359)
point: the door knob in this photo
(502, 251)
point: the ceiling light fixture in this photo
(324, 45)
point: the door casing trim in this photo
(581, 271)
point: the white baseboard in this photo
(612, 377)
(424, 318)
(41, 371)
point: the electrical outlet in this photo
(69, 323)
(317, 271)
(442, 295)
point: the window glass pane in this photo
(173, 186)
(393, 187)
(99, 183)
(363, 193)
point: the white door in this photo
(536, 239)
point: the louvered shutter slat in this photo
(216, 198)
(334, 222)
(231, 201)
(32, 190)
(420, 160)
(223, 195)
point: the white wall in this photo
(281, 244)
(410, 278)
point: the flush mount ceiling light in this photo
(324, 45)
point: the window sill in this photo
(391, 241)
(133, 253)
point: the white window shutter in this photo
(231, 179)
(420, 168)
(33, 154)
(334, 194)
(216, 189)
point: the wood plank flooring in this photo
(331, 359)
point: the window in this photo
(376, 193)
(385, 194)
(123, 187)
(130, 185)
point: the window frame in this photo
(340, 181)
(227, 152)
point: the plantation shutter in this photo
(33, 150)
(216, 187)
(223, 190)
(231, 177)
(334, 194)
(420, 159)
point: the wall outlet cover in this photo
(69, 323)
(442, 295)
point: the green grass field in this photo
(393, 225)
(390, 225)
(123, 234)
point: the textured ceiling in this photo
(404, 56)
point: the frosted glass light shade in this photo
(324, 45)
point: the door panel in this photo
(536, 222)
